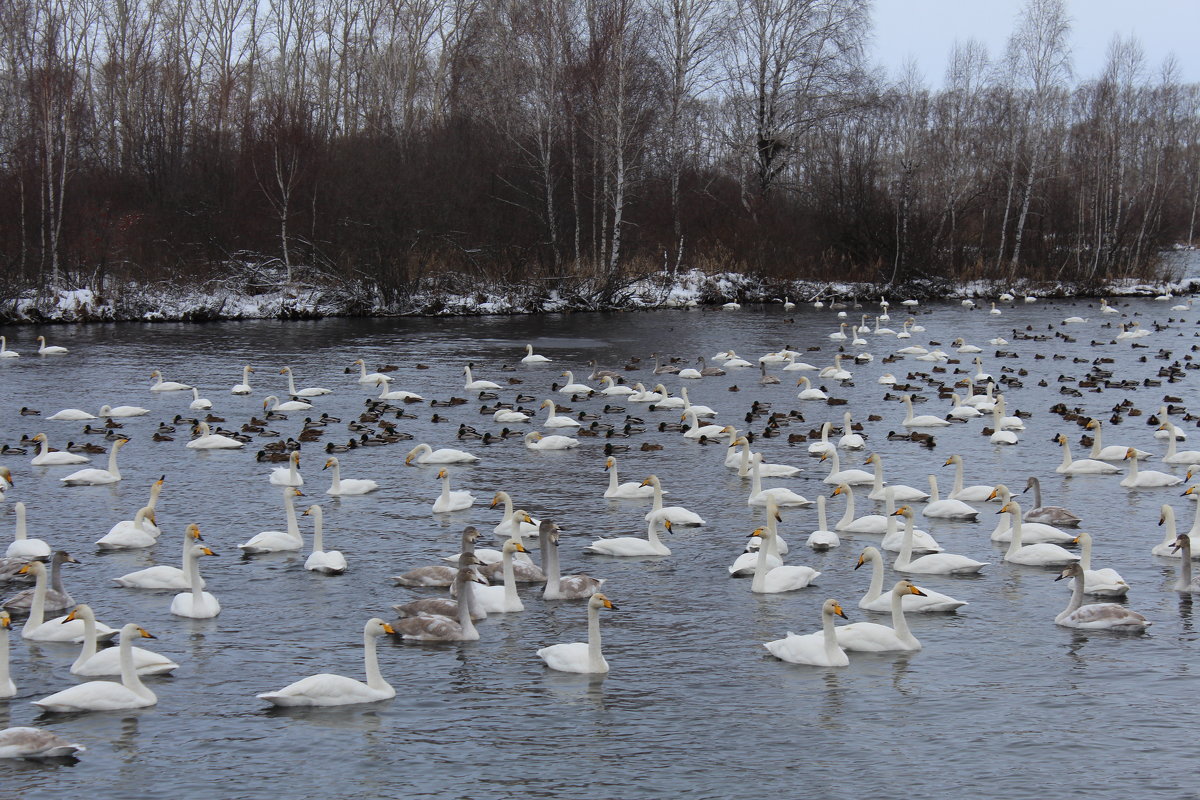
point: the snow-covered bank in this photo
(319, 296)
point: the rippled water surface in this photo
(694, 706)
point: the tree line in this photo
(396, 141)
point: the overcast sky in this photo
(925, 30)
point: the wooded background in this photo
(519, 140)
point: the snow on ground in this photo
(265, 296)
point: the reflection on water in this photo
(693, 707)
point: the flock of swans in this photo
(476, 582)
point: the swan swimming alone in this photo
(278, 541)
(22, 547)
(327, 689)
(195, 603)
(633, 546)
(46, 458)
(327, 562)
(581, 657)
(342, 487)
(99, 477)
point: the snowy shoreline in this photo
(316, 297)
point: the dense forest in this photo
(394, 141)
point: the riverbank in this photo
(235, 297)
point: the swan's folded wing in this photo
(321, 689)
(429, 627)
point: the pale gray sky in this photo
(925, 30)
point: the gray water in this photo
(694, 706)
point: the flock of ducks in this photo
(483, 581)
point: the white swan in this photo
(207, 440)
(123, 411)
(135, 535)
(688, 405)
(271, 403)
(512, 524)
(45, 458)
(643, 395)
(871, 637)
(868, 523)
(1031, 531)
(107, 695)
(1040, 554)
(502, 599)
(71, 415)
(1113, 452)
(850, 477)
(162, 576)
(893, 539)
(999, 435)
(244, 386)
(278, 541)
(327, 562)
(368, 378)
(58, 629)
(764, 470)
(810, 392)
(631, 490)
(534, 440)
(960, 411)
(196, 603)
(1167, 428)
(612, 389)
(849, 439)
(508, 415)
(347, 486)
(1084, 466)
(49, 350)
(4, 351)
(92, 663)
(22, 547)
(553, 420)
(773, 545)
(922, 421)
(697, 431)
(572, 387)
(824, 445)
(1105, 582)
(424, 454)
(7, 687)
(199, 403)
(448, 500)
(1175, 456)
(949, 508)
(327, 689)
(779, 495)
(167, 386)
(1147, 479)
(632, 545)
(311, 391)
(678, 515)
(581, 657)
(836, 372)
(532, 357)
(474, 385)
(900, 491)
(562, 587)
(387, 393)
(289, 475)
(783, 578)
(822, 538)
(819, 649)
(99, 477)
(934, 563)
(875, 600)
(1095, 616)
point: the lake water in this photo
(694, 707)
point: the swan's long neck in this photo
(906, 545)
(129, 676)
(876, 572)
(772, 531)
(1097, 443)
(755, 478)
(899, 623)
(37, 610)
(112, 462)
(89, 641)
(293, 471)
(56, 575)
(878, 474)
(1168, 519)
(510, 577)
(1076, 599)
(613, 482)
(1171, 446)
(293, 527)
(848, 517)
(595, 657)
(933, 489)
(1015, 544)
(1066, 462)
(831, 643)
(652, 534)
(1037, 493)
(822, 524)
(446, 490)
(45, 447)
(193, 572)
(1195, 530)
(744, 466)
(371, 661)
(466, 601)
(20, 534)
(318, 531)
(760, 564)
(658, 506)
(1085, 552)
(1185, 569)
(4, 673)
(508, 506)
(362, 370)
(246, 375)
(337, 477)
(1133, 469)
(908, 409)
(825, 429)
(836, 467)
(292, 384)
(187, 545)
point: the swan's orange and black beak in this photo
(758, 532)
(837, 609)
(389, 629)
(916, 591)
(146, 634)
(861, 561)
